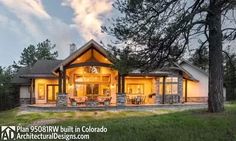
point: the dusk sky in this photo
(24, 22)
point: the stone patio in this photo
(53, 108)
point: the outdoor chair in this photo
(103, 100)
(72, 101)
(138, 100)
(81, 100)
(128, 100)
(143, 99)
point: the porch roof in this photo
(186, 74)
(137, 72)
(22, 81)
(42, 68)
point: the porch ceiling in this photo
(79, 52)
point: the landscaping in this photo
(157, 124)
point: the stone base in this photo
(168, 99)
(61, 100)
(121, 99)
(197, 99)
(25, 101)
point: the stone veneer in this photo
(158, 96)
(180, 87)
(121, 99)
(171, 98)
(24, 101)
(197, 99)
(61, 100)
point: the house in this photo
(87, 75)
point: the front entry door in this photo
(52, 91)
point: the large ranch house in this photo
(87, 78)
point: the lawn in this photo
(159, 125)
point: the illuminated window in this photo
(171, 85)
(171, 89)
(92, 89)
(135, 89)
(105, 89)
(41, 92)
(171, 79)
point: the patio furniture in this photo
(104, 100)
(128, 100)
(81, 100)
(138, 100)
(72, 101)
(143, 99)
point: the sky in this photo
(25, 22)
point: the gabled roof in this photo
(176, 66)
(193, 66)
(84, 48)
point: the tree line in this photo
(9, 92)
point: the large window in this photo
(135, 89)
(41, 91)
(171, 85)
(92, 89)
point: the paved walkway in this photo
(177, 107)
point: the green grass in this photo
(159, 125)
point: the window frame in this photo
(173, 81)
(141, 84)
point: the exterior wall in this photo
(43, 82)
(197, 91)
(148, 85)
(25, 95)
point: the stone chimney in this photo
(72, 48)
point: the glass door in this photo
(52, 91)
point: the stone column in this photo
(180, 87)
(158, 96)
(62, 97)
(61, 100)
(120, 99)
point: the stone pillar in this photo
(158, 96)
(61, 100)
(180, 87)
(120, 99)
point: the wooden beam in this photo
(123, 84)
(31, 90)
(60, 83)
(163, 90)
(64, 80)
(88, 64)
(119, 83)
(186, 90)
